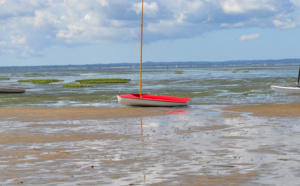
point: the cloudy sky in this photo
(58, 32)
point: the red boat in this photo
(147, 99)
(152, 100)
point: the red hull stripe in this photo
(156, 98)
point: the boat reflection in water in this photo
(142, 141)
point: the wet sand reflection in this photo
(206, 145)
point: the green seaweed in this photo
(32, 99)
(40, 81)
(224, 70)
(33, 74)
(4, 79)
(283, 159)
(178, 72)
(103, 80)
(73, 85)
(235, 70)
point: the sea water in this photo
(209, 86)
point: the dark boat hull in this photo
(11, 90)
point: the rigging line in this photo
(107, 100)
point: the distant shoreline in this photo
(157, 65)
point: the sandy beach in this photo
(271, 110)
(203, 145)
(73, 113)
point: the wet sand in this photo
(73, 113)
(205, 145)
(271, 110)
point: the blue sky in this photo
(60, 32)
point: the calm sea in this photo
(209, 86)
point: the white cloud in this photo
(3, 43)
(18, 40)
(28, 27)
(249, 37)
(232, 25)
(285, 24)
(103, 2)
(150, 9)
(44, 18)
(244, 6)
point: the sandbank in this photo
(271, 110)
(74, 113)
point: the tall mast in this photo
(298, 78)
(141, 52)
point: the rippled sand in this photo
(203, 145)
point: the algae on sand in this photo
(40, 81)
(103, 80)
(74, 85)
(49, 99)
(4, 79)
(178, 72)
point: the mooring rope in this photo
(107, 100)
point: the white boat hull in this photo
(286, 90)
(149, 103)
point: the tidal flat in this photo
(237, 131)
(207, 145)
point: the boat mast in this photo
(298, 78)
(141, 52)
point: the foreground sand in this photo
(278, 110)
(151, 146)
(80, 113)
(73, 113)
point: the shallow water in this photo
(199, 144)
(204, 86)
